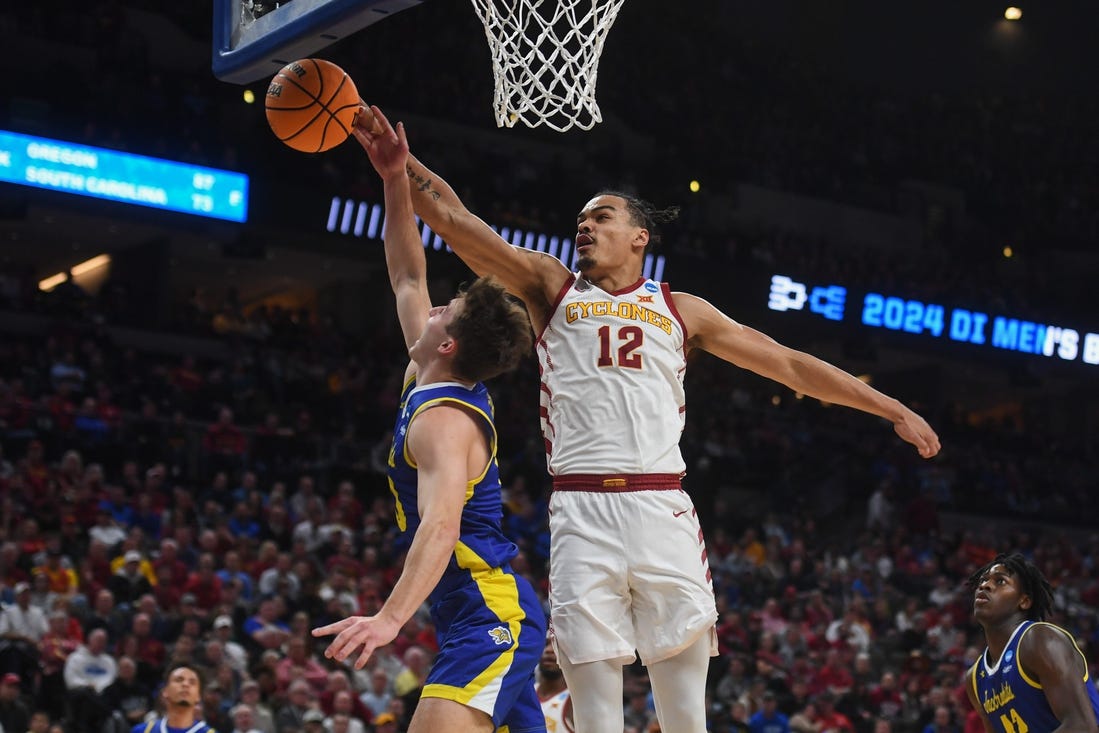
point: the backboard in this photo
(253, 39)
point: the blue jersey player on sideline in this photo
(1032, 678)
(444, 475)
(181, 695)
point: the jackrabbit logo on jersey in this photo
(500, 635)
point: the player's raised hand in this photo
(362, 634)
(386, 147)
(914, 429)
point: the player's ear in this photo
(1025, 603)
(642, 238)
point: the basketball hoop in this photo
(545, 59)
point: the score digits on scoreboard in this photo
(933, 320)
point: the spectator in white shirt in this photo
(88, 671)
(22, 626)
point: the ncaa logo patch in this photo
(652, 287)
(500, 635)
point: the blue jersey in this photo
(160, 725)
(482, 545)
(1014, 699)
(488, 620)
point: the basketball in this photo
(311, 105)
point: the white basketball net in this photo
(545, 59)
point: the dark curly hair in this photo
(492, 331)
(1031, 581)
(645, 215)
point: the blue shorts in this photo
(491, 633)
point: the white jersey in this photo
(558, 712)
(612, 365)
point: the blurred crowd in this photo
(158, 506)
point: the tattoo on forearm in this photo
(423, 184)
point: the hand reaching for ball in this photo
(387, 148)
(366, 120)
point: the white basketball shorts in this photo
(628, 571)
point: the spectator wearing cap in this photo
(313, 721)
(385, 723)
(129, 583)
(129, 545)
(769, 719)
(22, 627)
(14, 715)
(235, 654)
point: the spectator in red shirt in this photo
(169, 556)
(54, 648)
(205, 584)
(59, 572)
(300, 663)
(833, 677)
(830, 719)
(224, 443)
(148, 651)
(884, 700)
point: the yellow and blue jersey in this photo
(489, 621)
(1010, 697)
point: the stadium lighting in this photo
(1009, 252)
(695, 186)
(94, 263)
(1013, 13)
(249, 96)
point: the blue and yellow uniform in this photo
(160, 725)
(489, 623)
(1013, 699)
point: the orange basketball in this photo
(311, 105)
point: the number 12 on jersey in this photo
(628, 340)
